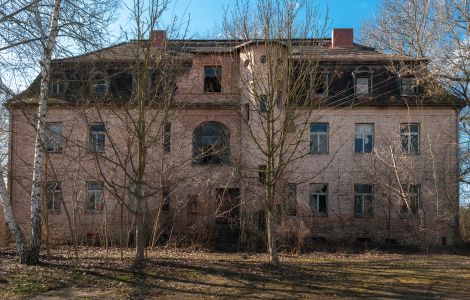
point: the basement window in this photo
(213, 79)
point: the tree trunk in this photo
(35, 246)
(139, 227)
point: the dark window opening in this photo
(263, 103)
(212, 79)
(211, 144)
(261, 221)
(262, 173)
(192, 204)
(291, 205)
(444, 241)
(247, 111)
(167, 137)
(166, 201)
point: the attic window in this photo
(363, 81)
(408, 86)
(100, 87)
(212, 79)
(57, 87)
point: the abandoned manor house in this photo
(361, 153)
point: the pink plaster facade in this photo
(434, 168)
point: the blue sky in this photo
(206, 14)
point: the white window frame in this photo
(314, 196)
(56, 195)
(359, 87)
(317, 135)
(54, 139)
(407, 135)
(363, 136)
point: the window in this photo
(364, 138)
(412, 202)
(318, 198)
(409, 136)
(320, 85)
(262, 173)
(263, 103)
(212, 79)
(54, 138)
(408, 86)
(362, 86)
(100, 87)
(57, 87)
(291, 205)
(97, 137)
(247, 111)
(53, 196)
(211, 144)
(94, 199)
(166, 201)
(167, 137)
(192, 204)
(319, 138)
(363, 198)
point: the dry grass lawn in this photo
(185, 274)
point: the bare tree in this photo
(282, 84)
(34, 27)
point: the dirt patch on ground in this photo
(184, 274)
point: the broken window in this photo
(212, 79)
(319, 138)
(211, 144)
(97, 137)
(291, 204)
(318, 198)
(53, 196)
(364, 138)
(412, 201)
(409, 136)
(54, 138)
(363, 200)
(100, 87)
(94, 199)
(408, 86)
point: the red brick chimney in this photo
(342, 38)
(157, 38)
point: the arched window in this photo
(211, 144)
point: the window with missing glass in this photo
(318, 198)
(211, 144)
(319, 138)
(409, 136)
(97, 137)
(212, 79)
(408, 86)
(54, 137)
(364, 138)
(94, 197)
(412, 201)
(53, 196)
(363, 200)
